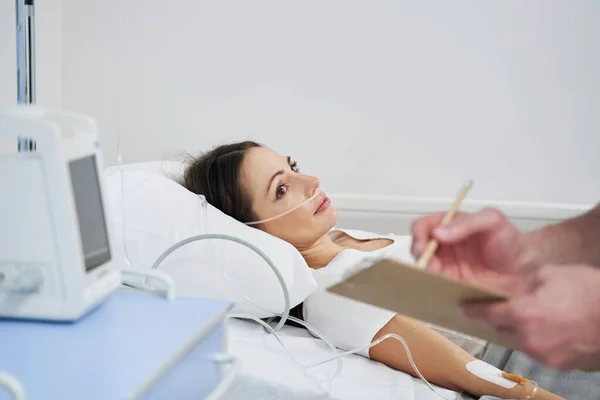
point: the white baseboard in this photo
(422, 205)
(395, 214)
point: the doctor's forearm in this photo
(576, 240)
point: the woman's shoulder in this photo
(350, 260)
(360, 235)
(399, 249)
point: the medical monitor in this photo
(55, 242)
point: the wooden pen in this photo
(433, 243)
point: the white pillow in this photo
(158, 212)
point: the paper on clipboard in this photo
(418, 294)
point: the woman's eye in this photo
(281, 191)
(294, 166)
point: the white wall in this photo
(375, 97)
(48, 24)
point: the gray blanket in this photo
(572, 385)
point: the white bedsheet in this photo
(266, 372)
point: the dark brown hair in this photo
(216, 175)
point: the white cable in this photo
(285, 316)
(13, 385)
(307, 326)
(123, 210)
(227, 380)
(286, 295)
(148, 274)
(116, 108)
(283, 286)
(340, 355)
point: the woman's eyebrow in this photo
(280, 172)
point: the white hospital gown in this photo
(351, 324)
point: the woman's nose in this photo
(313, 185)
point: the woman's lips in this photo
(323, 204)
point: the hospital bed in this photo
(265, 370)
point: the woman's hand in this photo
(482, 248)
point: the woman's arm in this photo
(440, 361)
(352, 324)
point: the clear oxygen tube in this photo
(314, 196)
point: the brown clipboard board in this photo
(421, 295)
(418, 294)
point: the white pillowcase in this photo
(158, 212)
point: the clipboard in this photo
(422, 295)
(419, 294)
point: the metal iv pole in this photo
(25, 62)
(25, 51)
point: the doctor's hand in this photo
(482, 248)
(557, 322)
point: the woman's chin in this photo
(328, 217)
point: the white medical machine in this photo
(55, 246)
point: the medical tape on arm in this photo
(489, 373)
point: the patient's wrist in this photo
(532, 391)
(524, 391)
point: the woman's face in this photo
(276, 185)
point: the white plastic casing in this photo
(42, 263)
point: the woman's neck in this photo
(321, 253)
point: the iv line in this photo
(285, 316)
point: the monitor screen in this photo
(90, 212)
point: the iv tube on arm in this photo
(285, 315)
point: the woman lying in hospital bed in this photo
(252, 183)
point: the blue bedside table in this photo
(134, 346)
